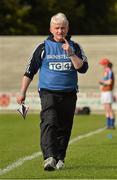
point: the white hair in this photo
(59, 18)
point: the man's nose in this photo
(60, 30)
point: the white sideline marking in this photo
(86, 135)
(20, 161)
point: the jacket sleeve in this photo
(35, 61)
(80, 53)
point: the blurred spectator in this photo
(106, 88)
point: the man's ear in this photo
(68, 28)
(50, 30)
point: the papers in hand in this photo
(23, 109)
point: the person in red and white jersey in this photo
(106, 88)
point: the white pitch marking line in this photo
(86, 135)
(20, 161)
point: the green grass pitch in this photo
(92, 157)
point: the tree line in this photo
(32, 17)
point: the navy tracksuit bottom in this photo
(56, 122)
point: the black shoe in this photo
(60, 164)
(50, 164)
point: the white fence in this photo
(90, 99)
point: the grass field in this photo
(89, 156)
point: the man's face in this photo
(59, 30)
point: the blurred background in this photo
(25, 23)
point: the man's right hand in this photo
(21, 98)
(24, 85)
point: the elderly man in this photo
(58, 60)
